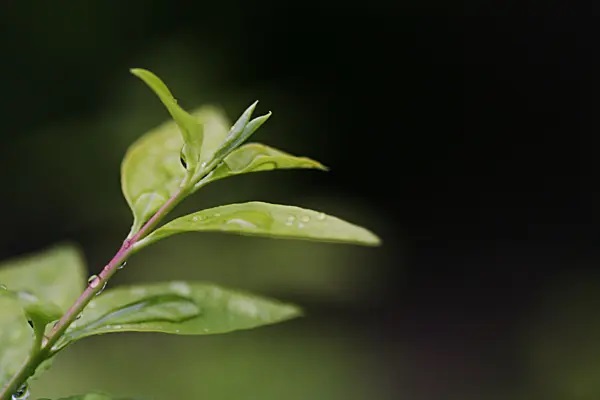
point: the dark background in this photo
(463, 136)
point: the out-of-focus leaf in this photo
(254, 157)
(40, 313)
(185, 308)
(264, 219)
(93, 396)
(55, 275)
(152, 172)
(191, 129)
(16, 337)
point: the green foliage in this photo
(264, 219)
(182, 308)
(56, 275)
(42, 309)
(16, 337)
(92, 396)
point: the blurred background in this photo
(463, 136)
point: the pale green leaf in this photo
(254, 157)
(191, 129)
(56, 275)
(185, 308)
(16, 337)
(264, 219)
(151, 171)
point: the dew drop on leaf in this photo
(300, 225)
(321, 216)
(122, 265)
(305, 218)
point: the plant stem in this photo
(93, 288)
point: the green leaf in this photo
(92, 396)
(183, 308)
(16, 338)
(56, 275)
(264, 219)
(254, 157)
(151, 171)
(191, 129)
(40, 313)
(240, 132)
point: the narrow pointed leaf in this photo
(16, 338)
(56, 275)
(254, 157)
(239, 135)
(151, 171)
(270, 220)
(184, 308)
(191, 129)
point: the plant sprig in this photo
(41, 310)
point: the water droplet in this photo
(217, 215)
(289, 223)
(79, 316)
(300, 225)
(22, 393)
(181, 288)
(122, 265)
(3, 287)
(177, 330)
(102, 288)
(291, 218)
(321, 216)
(117, 327)
(305, 218)
(73, 325)
(93, 281)
(203, 165)
(241, 222)
(195, 219)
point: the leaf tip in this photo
(138, 71)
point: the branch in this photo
(94, 287)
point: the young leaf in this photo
(240, 132)
(55, 275)
(16, 338)
(152, 169)
(254, 157)
(184, 308)
(191, 129)
(264, 219)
